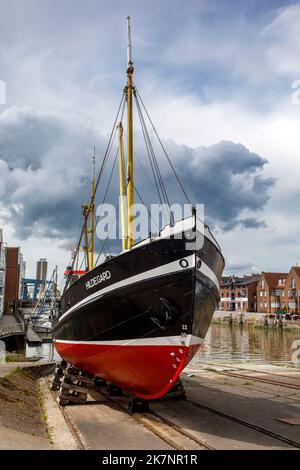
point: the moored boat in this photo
(137, 318)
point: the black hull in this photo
(157, 295)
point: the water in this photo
(47, 351)
(247, 343)
(227, 343)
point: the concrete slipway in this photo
(240, 407)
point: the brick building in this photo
(238, 293)
(290, 301)
(2, 272)
(270, 292)
(12, 283)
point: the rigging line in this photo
(101, 250)
(159, 176)
(98, 178)
(154, 159)
(160, 179)
(83, 259)
(105, 240)
(106, 192)
(149, 213)
(111, 174)
(149, 155)
(164, 150)
(139, 162)
(151, 162)
(108, 185)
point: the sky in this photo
(221, 81)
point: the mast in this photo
(85, 211)
(92, 214)
(122, 186)
(89, 226)
(129, 91)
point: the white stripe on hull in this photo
(189, 340)
(208, 272)
(168, 268)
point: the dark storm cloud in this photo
(227, 178)
(45, 164)
(45, 170)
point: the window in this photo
(260, 304)
(293, 283)
(265, 293)
(261, 293)
(282, 293)
(266, 304)
(262, 284)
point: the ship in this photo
(137, 318)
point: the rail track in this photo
(177, 436)
(258, 379)
(247, 424)
(148, 420)
(215, 364)
(261, 379)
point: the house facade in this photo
(270, 292)
(291, 298)
(2, 272)
(238, 294)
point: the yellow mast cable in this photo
(122, 187)
(130, 186)
(92, 215)
(85, 210)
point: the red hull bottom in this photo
(147, 371)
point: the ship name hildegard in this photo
(98, 279)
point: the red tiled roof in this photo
(273, 278)
(296, 269)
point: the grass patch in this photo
(44, 416)
(15, 357)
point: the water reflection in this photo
(47, 351)
(227, 343)
(247, 343)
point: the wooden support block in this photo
(68, 399)
(137, 405)
(80, 378)
(75, 388)
(113, 391)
